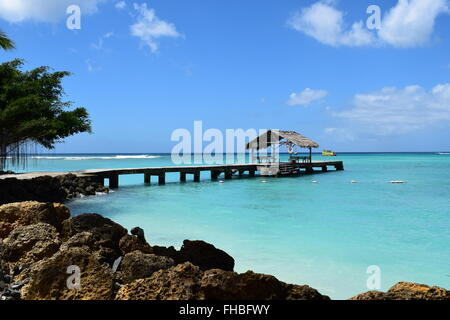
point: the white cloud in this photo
(120, 5)
(91, 67)
(306, 97)
(409, 23)
(325, 23)
(149, 27)
(42, 10)
(397, 111)
(101, 41)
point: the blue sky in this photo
(146, 68)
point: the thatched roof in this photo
(277, 136)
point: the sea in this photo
(342, 232)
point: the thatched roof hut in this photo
(271, 137)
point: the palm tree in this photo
(5, 42)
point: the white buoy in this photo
(264, 181)
(221, 181)
(314, 181)
(397, 182)
(353, 181)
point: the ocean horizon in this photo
(324, 234)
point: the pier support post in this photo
(339, 167)
(162, 178)
(228, 174)
(324, 169)
(214, 174)
(197, 176)
(241, 173)
(114, 181)
(183, 176)
(251, 173)
(147, 178)
(309, 169)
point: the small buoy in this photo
(221, 181)
(397, 181)
(264, 181)
(353, 181)
(314, 181)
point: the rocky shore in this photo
(42, 248)
(48, 188)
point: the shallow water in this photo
(323, 234)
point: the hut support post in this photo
(310, 155)
(147, 178)
(183, 176)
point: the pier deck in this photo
(228, 170)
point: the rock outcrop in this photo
(26, 245)
(224, 285)
(188, 282)
(129, 243)
(106, 234)
(177, 283)
(31, 212)
(48, 189)
(50, 278)
(199, 253)
(406, 291)
(138, 265)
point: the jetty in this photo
(267, 165)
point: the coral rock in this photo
(31, 212)
(137, 265)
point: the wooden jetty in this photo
(227, 170)
(265, 165)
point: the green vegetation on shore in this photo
(32, 112)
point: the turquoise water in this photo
(322, 234)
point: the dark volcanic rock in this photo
(406, 291)
(199, 253)
(47, 188)
(106, 232)
(205, 255)
(30, 212)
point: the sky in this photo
(327, 69)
